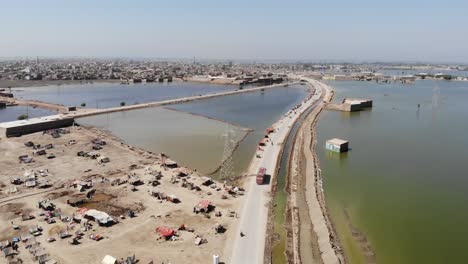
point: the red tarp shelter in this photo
(165, 231)
(204, 204)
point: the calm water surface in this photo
(11, 113)
(195, 141)
(105, 95)
(257, 111)
(404, 183)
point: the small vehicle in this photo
(96, 237)
(97, 147)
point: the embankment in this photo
(314, 239)
(34, 103)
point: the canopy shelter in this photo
(165, 231)
(108, 260)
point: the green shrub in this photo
(22, 117)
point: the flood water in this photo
(193, 141)
(106, 95)
(256, 110)
(198, 142)
(403, 185)
(11, 113)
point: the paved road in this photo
(253, 221)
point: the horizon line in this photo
(249, 60)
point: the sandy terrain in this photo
(131, 235)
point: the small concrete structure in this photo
(351, 105)
(337, 145)
(33, 125)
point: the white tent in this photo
(108, 260)
(100, 217)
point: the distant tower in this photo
(37, 59)
(226, 171)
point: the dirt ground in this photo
(130, 235)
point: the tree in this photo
(122, 103)
(83, 104)
(22, 117)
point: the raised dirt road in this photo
(253, 221)
(307, 184)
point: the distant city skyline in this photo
(341, 31)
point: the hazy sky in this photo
(360, 30)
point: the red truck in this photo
(261, 175)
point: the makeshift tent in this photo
(165, 231)
(170, 163)
(183, 172)
(103, 159)
(205, 204)
(4, 244)
(101, 218)
(108, 260)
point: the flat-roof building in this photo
(33, 125)
(337, 145)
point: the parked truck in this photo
(261, 176)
